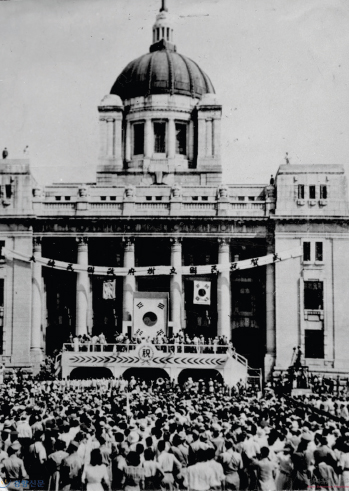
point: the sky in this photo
(279, 67)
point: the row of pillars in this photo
(129, 287)
(149, 139)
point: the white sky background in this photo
(280, 68)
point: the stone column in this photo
(37, 287)
(216, 137)
(171, 139)
(103, 136)
(223, 290)
(129, 283)
(148, 139)
(176, 283)
(110, 123)
(209, 138)
(191, 141)
(270, 315)
(201, 136)
(128, 142)
(82, 288)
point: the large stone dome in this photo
(162, 71)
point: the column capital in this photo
(128, 242)
(223, 242)
(176, 240)
(81, 241)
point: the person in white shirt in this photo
(200, 476)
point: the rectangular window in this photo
(160, 137)
(323, 191)
(319, 251)
(181, 138)
(138, 139)
(312, 192)
(313, 343)
(8, 190)
(313, 295)
(300, 191)
(306, 251)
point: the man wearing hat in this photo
(13, 467)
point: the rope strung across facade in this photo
(157, 270)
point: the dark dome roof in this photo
(162, 71)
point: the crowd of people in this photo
(178, 343)
(130, 435)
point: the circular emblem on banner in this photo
(146, 353)
(202, 292)
(150, 319)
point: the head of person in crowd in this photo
(133, 459)
(96, 457)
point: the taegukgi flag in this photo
(202, 292)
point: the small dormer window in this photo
(160, 137)
(312, 192)
(323, 191)
(181, 138)
(300, 191)
(138, 139)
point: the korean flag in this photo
(202, 292)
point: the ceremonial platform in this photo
(172, 359)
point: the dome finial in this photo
(163, 30)
(163, 6)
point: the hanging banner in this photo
(157, 270)
(202, 292)
(109, 290)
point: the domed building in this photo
(160, 251)
(161, 119)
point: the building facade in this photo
(159, 200)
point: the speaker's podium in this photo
(150, 320)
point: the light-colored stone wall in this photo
(341, 302)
